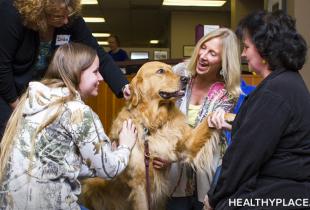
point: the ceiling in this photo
(136, 22)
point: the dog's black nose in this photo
(184, 79)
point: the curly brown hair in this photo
(34, 15)
(276, 39)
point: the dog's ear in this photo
(135, 91)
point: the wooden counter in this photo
(251, 79)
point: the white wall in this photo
(183, 27)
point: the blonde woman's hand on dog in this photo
(217, 120)
(128, 134)
(160, 163)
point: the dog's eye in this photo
(160, 71)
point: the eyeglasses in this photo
(56, 17)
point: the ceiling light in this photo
(101, 34)
(94, 19)
(103, 43)
(89, 2)
(154, 41)
(192, 3)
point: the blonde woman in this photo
(214, 71)
(52, 137)
(30, 32)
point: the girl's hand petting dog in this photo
(128, 134)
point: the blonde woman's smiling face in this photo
(210, 56)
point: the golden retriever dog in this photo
(154, 91)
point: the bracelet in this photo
(123, 146)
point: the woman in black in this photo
(31, 30)
(269, 157)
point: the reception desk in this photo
(251, 79)
(107, 105)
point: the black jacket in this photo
(19, 46)
(270, 152)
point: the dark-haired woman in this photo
(269, 157)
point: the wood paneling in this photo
(252, 79)
(107, 105)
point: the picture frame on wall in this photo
(160, 55)
(188, 50)
(274, 5)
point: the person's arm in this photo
(252, 144)
(126, 55)
(110, 72)
(11, 28)
(95, 147)
(217, 120)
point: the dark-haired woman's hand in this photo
(217, 120)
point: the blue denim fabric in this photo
(83, 207)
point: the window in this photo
(139, 55)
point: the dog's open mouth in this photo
(168, 95)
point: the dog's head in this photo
(156, 81)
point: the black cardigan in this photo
(19, 46)
(270, 152)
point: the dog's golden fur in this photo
(152, 105)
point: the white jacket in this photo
(74, 144)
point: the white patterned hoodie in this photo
(73, 145)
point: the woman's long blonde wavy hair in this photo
(33, 12)
(230, 59)
(64, 70)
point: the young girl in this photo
(53, 137)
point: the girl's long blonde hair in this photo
(33, 12)
(230, 59)
(64, 70)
